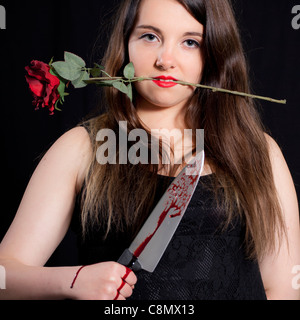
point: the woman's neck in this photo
(164, 121)
(156, 117)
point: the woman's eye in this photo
(192, 43)
(149, 37)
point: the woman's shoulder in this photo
(272, 145)
(75, 141)
(278, 162)
(74, 147)
(284, 183)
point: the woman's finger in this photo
(129, 277)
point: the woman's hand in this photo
(102, 281)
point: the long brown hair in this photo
(235, 144)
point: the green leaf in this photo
(104, 83)
(96, 72)
(52, 71)
(62, 85)
(129, 71)
(61, 89)
(79, 83)
(121, 87)
(129, 93)
(56, 107)
(99, 66)
(67, 70)
(72, 58)
(50, 63)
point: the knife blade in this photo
(152, 240)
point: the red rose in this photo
(43, 85)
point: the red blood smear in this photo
(76, 276)
(123, 283)
(175, 215)
(117, 296)
(128, 271)
(162, 217)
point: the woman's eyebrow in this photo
(157, 30)
(149, 27)
(193, 34)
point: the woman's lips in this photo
(165, 82)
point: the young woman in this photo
(239, 238)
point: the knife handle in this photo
(128, 260)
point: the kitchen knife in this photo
(150, 243)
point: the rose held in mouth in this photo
(165, 82)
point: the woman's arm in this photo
(43, 218)
(277, 268)
(41, 223)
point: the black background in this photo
(41, 30)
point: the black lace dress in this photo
(202, 262)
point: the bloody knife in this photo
(152, 240)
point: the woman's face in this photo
(166, 42)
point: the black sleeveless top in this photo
(201, 262)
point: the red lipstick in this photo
(164, 82)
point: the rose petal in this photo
(53, 80)
(43, 85)
(35, 86)
(38, 69)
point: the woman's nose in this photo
(166, 58)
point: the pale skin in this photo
(46, 209)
